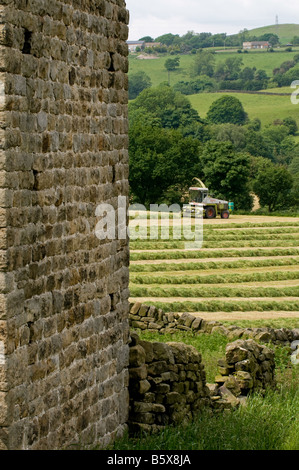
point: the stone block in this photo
(135, 308)
(137, 356)
(142, 312)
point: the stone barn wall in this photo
(64, 293)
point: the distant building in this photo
(256, 45)
(132, 45)
(152, 44)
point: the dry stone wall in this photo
(145, 317)
(167, 385)
(248, 367)
(168, 381)
(64, 293)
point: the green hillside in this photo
(266, 107)
(286, 32)
(155, 69)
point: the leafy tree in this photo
(227, 109)
(275, 132)
(172, 64)
(261, 75)
(230, 69)
(272, 38)
(294, 166)
(273, 185)
(294, 170)
(291, 124)
(219, 39)
(172, 108)
(256, 144)
(204, 64)
(160, 160)
(147, 39)
(143, 117)
(168, 39)
(138, 82)
(198, 85)
(247, 73)
(285, 78)
(229, 133)
(255, 124)
(226, 172)
(287, 150)
(284, 67)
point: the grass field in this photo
(245, 270)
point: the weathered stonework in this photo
(168, 381)
(248, 367)
(167, 385)
(64, 293)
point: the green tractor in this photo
(200, 203)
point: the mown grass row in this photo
(235, 264)
(272, 231)
(227, 306)
(229, 235)
(209, 292)
(225, 226)
(180, 245)
(215, 278)
(252, 225)
(201, 254)
(252, 236)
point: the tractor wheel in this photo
(225, 215)
(210, 212)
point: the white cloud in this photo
(158, 17)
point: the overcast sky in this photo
(157, 17)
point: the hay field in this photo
(247, 269)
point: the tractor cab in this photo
(197, 195)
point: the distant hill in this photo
(286, 32)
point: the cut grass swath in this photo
(168, 267)
(180, 245)
(201, 254)
(216, 279)
(206, 292)
(234, 306)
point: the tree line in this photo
(192, 41)
(229, 74)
